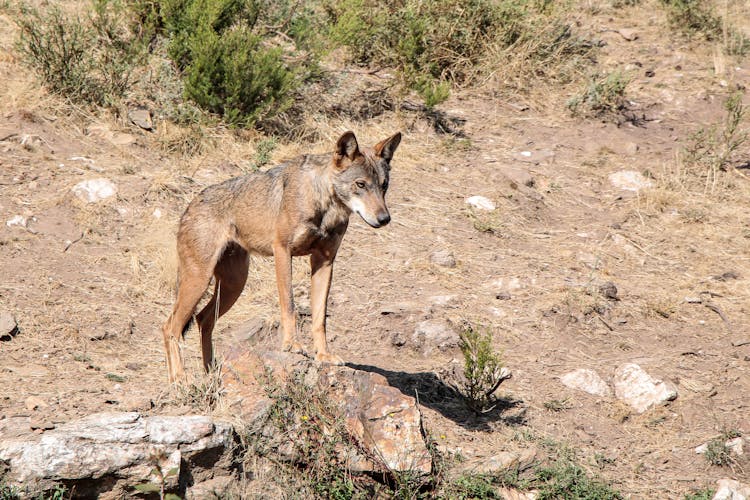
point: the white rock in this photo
(16, 220)
(443, 258)
(586, 380)
(8, 325)
(508, 284)
(481, 203)
(641, 391)
(629, 180)
(730, 489)
(157, 213)
(94, 190)
(117, 446)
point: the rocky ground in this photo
(597, 257)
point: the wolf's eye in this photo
(360, 184)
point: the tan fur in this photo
(298, 208)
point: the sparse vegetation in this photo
(604, 96)
(565, 480)
(717, 452)
(313, 437)
(704, 494)
(558, 405)
(86, 59)
(712, 150)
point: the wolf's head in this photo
(361, 176)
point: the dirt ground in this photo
(90, 284)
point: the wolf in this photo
(298, 208)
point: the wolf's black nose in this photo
(384, 218)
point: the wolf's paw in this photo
(327, 357)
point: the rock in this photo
(17, 221)
(215, 488)
(629, 180)
(730, 489)
(398, 339)
(507, 285)
(40, 422)
(8, 326)
(641, 391)
(34, 402)
(694, 385)
(385, 422)
(503, 296)
(628, 34)
(434, 334)
(503, 461)
(111, 452)
(443, 301)
(142, 117)
(443, 258)
(399, 308)
(514, 494)
(535, 157)
(586, 380)
(609, 290)
(481, 203)
(30, 142)
(94, 190)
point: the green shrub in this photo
(234, 75)
(234, 55)
(87, 60)
(483, 370)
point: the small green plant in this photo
(8, 492)
(483, 370)
(465, 487)
(604, 95)
(717, 451)
(713, 149)
(162, 477)
(113, 377)
(432, 91)
(703, 494)
(565, 480)
(558, 405)
(263, 150)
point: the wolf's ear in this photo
(347, 146)
(386, 148)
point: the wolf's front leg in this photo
(322, 270)
(283, 261)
